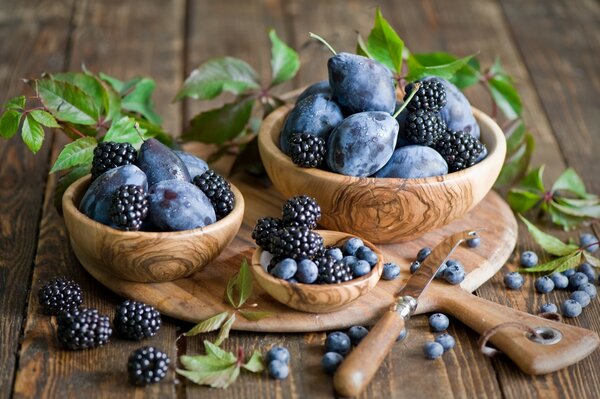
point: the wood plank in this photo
(122, 39)
(35, 39)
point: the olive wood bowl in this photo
(145, 256)
(384, 210)
(318, 298)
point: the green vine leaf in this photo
(79, 152)
(570, 181)
(446, 71)
(361, 47)
(549, 243)
(225, 329)
(67, 102)
(44, 118)
(32, 134)
(9, 123)
(560, 264)
(210, 324)
(255, 364)
(139, 100)
(506, 97)
(239, 287)
(516, 165)
(124, 131)
(384, 44)
(285, 62)
(592, 260)
(522, 200)
(255, 315)
(465, 76)
(15, 104)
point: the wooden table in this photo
(551, 47)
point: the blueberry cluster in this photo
(154, 189)
(438, 322)
(452, 270)
(278, 359)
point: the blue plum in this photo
(414, 161)
(319, 88)
(178, 205)
(160, 163)
(362, 144)
(195, 166)
(97, 201)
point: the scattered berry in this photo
(430, 96)
(335, 253)
(109, 155)
(285, 269)
(391, 271)
(438, 322)
(474, 242)
(588, 270)
(278, 353)
(136, 320)
(544, 284)
(433, 350)
(513, 280)
(129, 207)
(147, 365)
(560, 280)
(423, 254)
(529, 259)
(576, 280)
(338, 342)
(570, 308)
(415, 266)
(423, 127)
(582, 297)
(307, 271)
(264, 230)
(330, 362)
(83, 328)
(569, 272)
(356, 334)
(59, 294)
(278, 370)
(301, 210)
(589, 242)
(459, 149)
(218, 191)
(352, 245)
(454, 272)
(589, 288)
(446, 340)
(548, 308)
(403, 334)
(307, 150)
(296, 242)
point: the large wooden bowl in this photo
(318, 298)
(145, 256)
(384, 210)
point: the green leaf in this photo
(515, 136)
(522, 200)
(32, 134)
(140, 100)
(218, 75)
(67, 102)
(219, 125)
(9, 123)
(225, 329)
(559, 218)
(284, 60)
(67, 179)
(570, 181)
(255, 364)
(87, 83)
(549, 243)
(255, 315)
(15, 103)
(569, 259)
(361, 47)
(244, 283)
(516, 165)
(592, 260)
(384, 44)
(577, 203)
(505, 96)
(119, 86)
(211, 324)
(465, 76)
(111, 102)
(583, 211)
(79, 152)
(44, 118)
(220, 378)
(574, 261)
(124, 131)
(446, 71)
(217, 368)
(534, 181)
(214, 350)
(468, 75)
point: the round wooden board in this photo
(203, 294)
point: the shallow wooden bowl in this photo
(384, 210)
(145, 256)
(318, 298)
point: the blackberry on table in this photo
(83, 328)
(136, 320)
(109, 155)
(129, 207)
(301, 210)
(459, 149)
(59, 294)
(307, 150)
(218, 190)
(264, 230)
(296, 242)
(332, 271)
(423, 127)
(431, 95)
(147, 365)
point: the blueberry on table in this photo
(320, 88)
(357, 333)
(474, 242)
(403, 334)
(569, 272)
(278, 370)
(589, 288)
(433, 350)
(513, 280)
(588, 270)
(415, 266)
(571, 308)
(438, 322)
(582, 297)
(330, 362)
(544, 284)
(529, 259)
(560, 280)
(413, 162)
(548, 308)
(285, 269)
(361, 268)
(577, 279)
(391, 271)
(589, 242)
(351, 246)
(454, 272)
(307, 271)
(423, 254)
(446, 340)
(278, 353)
(338, 342)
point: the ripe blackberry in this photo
(264, 230)
(83, 328)
(431, 95)
(109, 155)
(297, 242)
(218, 190)
(147, 365)
(459, 149)
(129, 207)
(136, 320)
(59, 294)
(301, 210)
(332, 271)
(423, 127)
(307, 150)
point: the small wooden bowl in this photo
(384, 210)
(318, 298)
(145, 256)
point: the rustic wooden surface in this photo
(552, 48)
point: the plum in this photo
(414, 161)
(359, 84)
(195, 166)
(317, 115)
(97, 201)
(362, 144)
(178, 205)
(160, 163)
(319, 88)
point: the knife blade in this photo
(359, 367)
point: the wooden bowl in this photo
(318, 298)
(384, 210)
(145, 256)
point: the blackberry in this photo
(147, 365)
(301, 210)
(83, 328)
(459, 149)
(332, 271)
(218, 190)
(423, 127)
(431, 95)
(307, 150)
(59, 294)
(136, 320)
(264, 230)
(109, 155)
(129, 207)
(297, 242)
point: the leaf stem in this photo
(240, 356)
(416, 88)
(74, 130)
(319, 38)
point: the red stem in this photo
(77, 132)
(240, 356)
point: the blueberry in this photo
(457, 113)
(423, 253)
(307, 271)
(292, 280)
(446, 340)
(529, 259)
(513, 280)
(576, 280)
(589, 288)
(335, 253)
(582, 297)
(441, 270)
(160, 163)
(413, 162)
(433, 350)
(391, 271)
(415, 266)
(351, 246)
(278, 370)
(570, 308)
(330, 362)
(194, 165)
(361, 268)
(548, 308)
(454, 272)
(338, 342)
(544, 284)
(560, 280)
(474, 242)
(367, 254)
(588, 270)
(278, 353)
(349, 260)
(569, 272)
(319, 88)
(438, 322)
(356, 334)
(402, 334)
(285, 269)
(589, 242)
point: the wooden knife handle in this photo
(359, 367)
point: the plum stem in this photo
(136, 126)
(410, 97)
(319, 38)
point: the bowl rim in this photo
(68, 204)
(269, 137)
